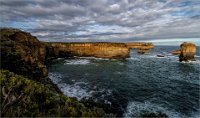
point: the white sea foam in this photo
(74, 90)
(118, 73)
(195, 114)
(190, 62)
(77, 62)
(134, 58)
(78, 89)
(107, 102)
(59, 59)
(105, 92)
(95, 58)
(55, 77)
(135, 109)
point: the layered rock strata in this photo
(25, 55)
(100, 50)
(141, 47)
(188, 51)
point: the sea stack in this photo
(188, 51)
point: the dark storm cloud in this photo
(119, 20)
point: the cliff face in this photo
(100, 50)
(188, 51)
(141, 47)
(25, 55)
(22, 53)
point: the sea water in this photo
(141, 83)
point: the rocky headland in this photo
(22, 53)
(26, 89)
(25, 55)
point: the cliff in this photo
(100, 50)
(188, 51)
(28, 92)
(141, 47)
(22, 53)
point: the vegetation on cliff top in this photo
(22, 53)
(24, 97)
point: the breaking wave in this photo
(136, 109)
(78, 89)
(77, 62)
(75, 90)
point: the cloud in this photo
(103, 20)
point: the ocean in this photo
(139, 84)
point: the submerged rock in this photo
(160, 55)
(188, 51)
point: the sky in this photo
(157, 21)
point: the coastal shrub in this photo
(24, 97)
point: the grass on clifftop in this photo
(24, 97)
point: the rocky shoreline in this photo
(24, 76)
(25, 55)
(25, 89)
(23, 70)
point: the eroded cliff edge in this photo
(99, 50)
(141, 47)
(23, 54)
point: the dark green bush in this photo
(24, 97)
